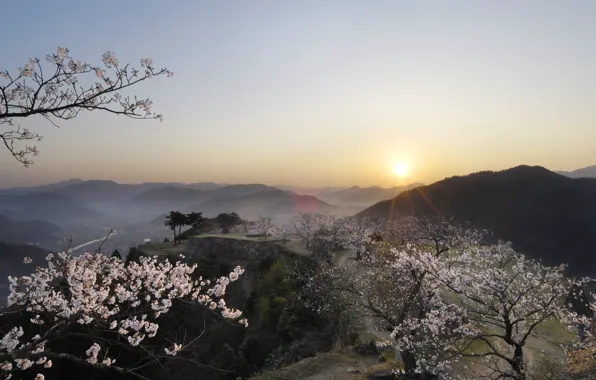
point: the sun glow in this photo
(401, 169)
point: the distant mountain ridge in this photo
(546, 215)
(365, 196)
(101, 190)
(168, 193)
(279, 202)
(588, 172)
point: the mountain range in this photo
(108, 202)
(546, 215)
(359, 196)
(589, 172)
(284, 203)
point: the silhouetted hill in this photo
(589, 172)
(23, 232)
(274, 202)
(545, 214)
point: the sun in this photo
(401, 169)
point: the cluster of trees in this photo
(443, 293)
(176, 219)
(320, 233)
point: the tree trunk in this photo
(409, 362)
(518, 363)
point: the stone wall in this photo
(199, 248)
(249, 254)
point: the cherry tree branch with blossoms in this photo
(55, 92)
(103, 300)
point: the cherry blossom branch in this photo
(60, 96)
(94, 294)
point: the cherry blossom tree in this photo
(63, 87)
(285, 230)
(307, 226)
(442, 290)
(507, 297)
(263, 226)
(320, 232)
(361, 232)
(107, 303)
(393, 287)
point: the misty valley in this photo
(46, 216)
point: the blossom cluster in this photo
(96, 291)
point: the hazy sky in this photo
(319, 92)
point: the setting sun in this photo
(401, 169)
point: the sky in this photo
(316, 93)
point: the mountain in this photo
(241, 190)
(364, 196)
(545, 215)
(44, 188)
(274, 203)
(43, 206)
(206, 186)
(589, 172)
(96, 190)
(315, 191)
(168, 193)
(107, 191)
(173, 196)
(24, 232)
